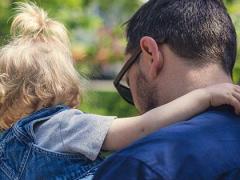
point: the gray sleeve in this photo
(72, 131)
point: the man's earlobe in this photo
(155, 68)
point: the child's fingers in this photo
(235, 103)
(237, 88)
(237, 95)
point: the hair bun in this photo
(32, 21)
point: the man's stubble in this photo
(146, 93)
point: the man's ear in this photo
(153, 55)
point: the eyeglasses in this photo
(122, 88)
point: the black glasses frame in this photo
(124, 91)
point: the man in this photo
(175, 46)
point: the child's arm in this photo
(125, 131)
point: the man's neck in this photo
(201, 78)
(186, 80)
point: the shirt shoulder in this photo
(122, 167)
(72, 131)
(188, 148)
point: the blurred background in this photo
(97, 35)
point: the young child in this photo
(45, 137)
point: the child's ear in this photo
(153, 54)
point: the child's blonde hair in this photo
(36, 66)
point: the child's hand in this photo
(225, 94)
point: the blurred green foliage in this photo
(234, 10)
(106, 103)
(95, 26)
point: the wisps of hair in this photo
(36, 66)
(34, 22)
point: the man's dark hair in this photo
(199, 30)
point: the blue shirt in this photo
(204, 147)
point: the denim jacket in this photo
(21, 158)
